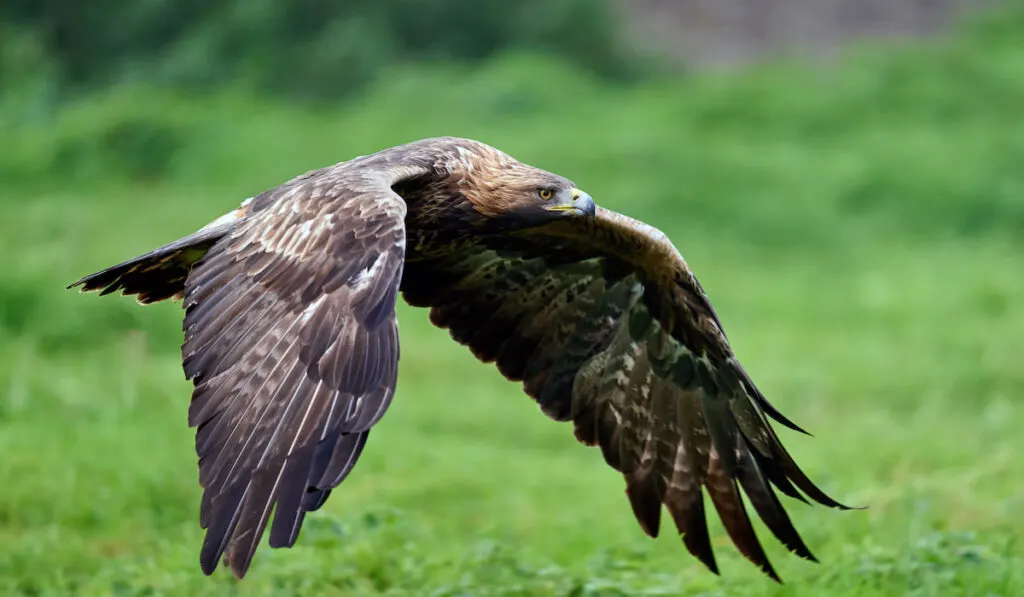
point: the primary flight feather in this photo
(292, 344)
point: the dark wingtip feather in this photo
(760, 559)
(209, 556)
(725, 496)
(642, 490)
(93, 282)
(691, 523)
(207, 566)
(759, 398)
(315, 499)
(707, 558)
(771, 470)
(800, 479)
(222, 526)
(781, 419)
(767, 505)
(289, 513)
(239, 566)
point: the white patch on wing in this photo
(308, 312)
(294, 239)
(353, 412)
(228, 218)
(367, 275)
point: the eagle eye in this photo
(545, 194)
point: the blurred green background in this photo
(857, 224)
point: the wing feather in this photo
(291, 343)
(606, 326)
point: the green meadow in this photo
(858, 229)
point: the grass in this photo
(858, 233)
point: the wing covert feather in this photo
(606, 326)
(292, 345)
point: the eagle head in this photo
(513, 195)
(532, 199)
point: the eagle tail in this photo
(159, 274)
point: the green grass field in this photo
(858, 230)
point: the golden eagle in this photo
(292, 344)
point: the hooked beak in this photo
(579, 204)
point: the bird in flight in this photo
(291, 340)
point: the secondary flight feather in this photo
(292, 344)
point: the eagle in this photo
(291, 341)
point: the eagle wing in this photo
(292, 346)
(607, 327)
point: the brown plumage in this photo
(292, 345)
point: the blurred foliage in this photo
(921, 140)
(298, 48)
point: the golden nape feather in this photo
(291, 340)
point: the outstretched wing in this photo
(291, 342)
(606, 327)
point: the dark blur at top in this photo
(299, 48)
(324, 50)
(734, 32)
